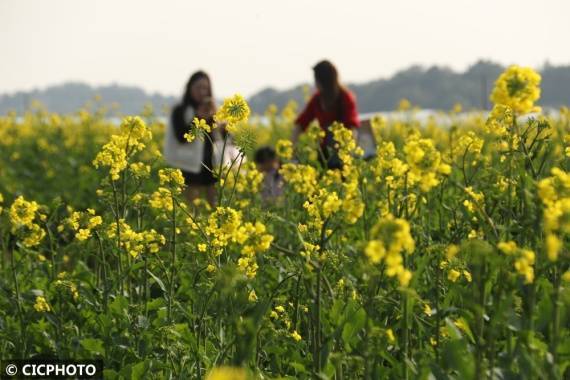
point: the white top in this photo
(186, 156)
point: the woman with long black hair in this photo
(331, 102)
(195, 158)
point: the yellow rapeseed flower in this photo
(390, 336)
(284, 149)
(227, 373)
(234, 110)
(296, 336)
(41, 305)
(519, 88)
(252, 297)
(22, 213)
(453, 275)
(390, 237)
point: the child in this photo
(268, 164)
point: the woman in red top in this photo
(332, 102)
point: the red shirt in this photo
(346, 113)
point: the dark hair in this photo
(187, 99)
(326, 76)
(264, 154)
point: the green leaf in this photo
(139, 370)
(94, 346)
(352, 327)
(119, 306)
(158, 280)
(110, 374)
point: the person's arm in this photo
(304, 119)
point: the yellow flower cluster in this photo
(468, 143)
(296, 336)
(519, 88)
(347, 147)
(454, 274)
(252, 296)
(63, 283)
(390, 335)
(352, 204)
(475, 200)
(41, 305)
(322, 205)
(22, 213)
(554, 192)
(284, 149)
(83, 223)
(302, 178)
(425, 163)
(390, 237)
(227, 373)
(140, 169)
(222, 226)
(171, 178)
(254, 239)
(500, 120)
(233, 111)
(524, 259)
(245, 181)
(225, 226)
(315, 134)
(455, 268)
(388, 167)
(289, 112)
(279, 314)
(135, 243)
(132, 139)
(24, 216)
(161, 199)
(199, 126)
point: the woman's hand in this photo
(206, 109)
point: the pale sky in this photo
(247, 45)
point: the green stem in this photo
(118, 232)
(556, 317)
(479, 371)
(405, 333)
(235, 181)
(18, 303)
(437, 308)
(104, 264)
(145, 286)
(317, 351)
(221, 188)
(173, 261)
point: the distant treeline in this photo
(434, 88)
(70, 97)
